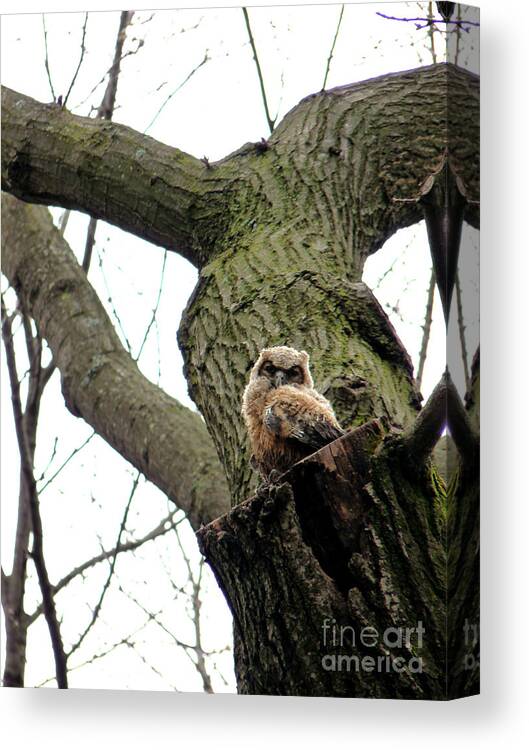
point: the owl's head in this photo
(282, 365)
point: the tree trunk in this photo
(344, 171)
(356, 544)
(309, 569)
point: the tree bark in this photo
(100, 381)
(358, 534)
(356, 158)
(309, 568)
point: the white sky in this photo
(218, 110)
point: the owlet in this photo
(286, 418)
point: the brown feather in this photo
(287, 423)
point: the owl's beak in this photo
(280, 378)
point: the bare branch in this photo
(7, 336)
(105, 112)
(89, 244)
(426, 329)
(461, 327)
(271, 122)
(97, 608)
(461, 429)
(155, 308)
(46, 58)
(169, 443)
(176, 90)
(81, 58)
(428, 21)
(126, 641)
(164, 527)
(443, 409)
(173, 181)
(193, 652)
(65, 463)
(421, 439)
(332, 47)
(28, 478)
(431, 33)
(106, 108)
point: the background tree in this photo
(263, 274)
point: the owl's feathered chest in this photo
(286, 424)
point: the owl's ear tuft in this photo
(304, 356)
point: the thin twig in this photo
(461, 326)
(188, 648)
(113, 307)
(430, 33)
(64, 221)
(332, 47)
(271, 122)
(426, 329)
(429, 21)
(176, 90)
(66, 462)
(26, 465)
(81, 58)
(123, 641)
(155, 308)
(53, 453)
(106, 108)
(201, 662)
(89, 244)
(99, 604)
(105, 112)
(164, 527)
(194, 653)
(26, 423)
(46, 59)
(458, 35)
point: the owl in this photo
(286, 418)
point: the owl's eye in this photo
(269, 368)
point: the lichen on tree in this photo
(280, 237)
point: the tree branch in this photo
(426, 329)
(106, 108)
(443, 409)
(168, 443)
(167, 197)
(166, 525)
(107, 170)
(46, 58)
(271, 121)
(333, 45)
(106, 586)
(31, 497)
(429, 21)
(465, 437)
(461, 328)
(425, 432)
(81, 58)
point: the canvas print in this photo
(240, 367)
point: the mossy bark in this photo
(100, 381)
(280, 233)
(336, 577)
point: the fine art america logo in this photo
(346, 637)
